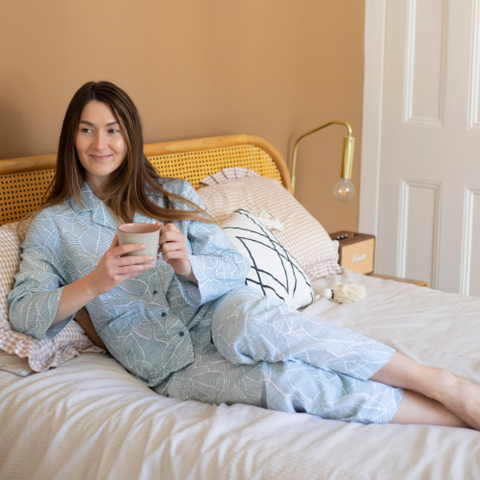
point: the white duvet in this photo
(89, 419)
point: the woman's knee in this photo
(241, 320)
(230, 327)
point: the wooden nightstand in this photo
(356, 251)
(420, 283)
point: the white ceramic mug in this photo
(146, 233)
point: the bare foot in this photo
(459, 397)
(462, 398)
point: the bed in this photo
(71, 411)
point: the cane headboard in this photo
(23, 181)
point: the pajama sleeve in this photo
(33, 302)
(217, 265)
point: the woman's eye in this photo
(113, 130)
(86, 130)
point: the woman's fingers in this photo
(118, 251)
(116, 265)
(120, 266)
(170, 233)
(133, 269)
(121, 269)
(119, 259)
(173, 243)
(171, 237)
(132, 260)
(169, 252)
(171, 246)
(114, 242)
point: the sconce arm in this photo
(347, 154)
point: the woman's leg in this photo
(432, 395)
(248, 328)
(283, 386)
(417, 409)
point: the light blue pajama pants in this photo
(266, 354)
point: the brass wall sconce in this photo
(343, 190)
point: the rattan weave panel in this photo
(21, 193)
(193, 166)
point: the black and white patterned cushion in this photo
(274, 271)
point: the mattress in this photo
(89, 418)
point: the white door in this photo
(426, 159)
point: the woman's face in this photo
(100, 144)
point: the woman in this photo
(189, 327)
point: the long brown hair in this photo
(132, 185)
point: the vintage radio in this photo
(357, 251)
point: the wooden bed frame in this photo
(24, 181)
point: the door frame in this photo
(373, 83)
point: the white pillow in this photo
(274, 271)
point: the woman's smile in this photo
(100, 158)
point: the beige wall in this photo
(275, 68)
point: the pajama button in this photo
(182, 334)
(155, 292)
(164, 314)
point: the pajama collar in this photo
(100, 213)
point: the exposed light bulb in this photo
(344, 190)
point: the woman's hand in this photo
(110, 272)
(113, 269)
(173, 246)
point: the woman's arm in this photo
(33, 302)
(42, 301)
(217, 266)
(112, 270)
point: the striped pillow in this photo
(303, 236)
(227, 174)
(41, 354)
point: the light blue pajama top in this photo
(149, 322)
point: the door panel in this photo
(470, 281)
(419, 231)
(425, 61)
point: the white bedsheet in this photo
(90, 419)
